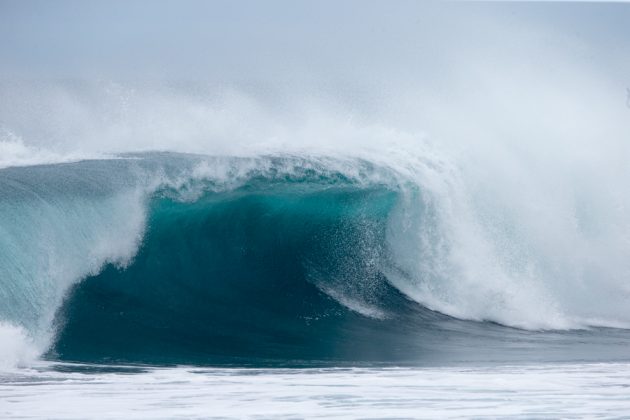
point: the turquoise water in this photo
(278, 261)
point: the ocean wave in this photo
(175, 257)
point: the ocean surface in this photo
(72, 391)
(169, 285)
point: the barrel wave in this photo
(283, 260)
(289, 271)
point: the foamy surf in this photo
(18, 349)
(551, 391)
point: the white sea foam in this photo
(17, 348)
(547, 391)
(14, 152)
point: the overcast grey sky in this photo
(226, 41)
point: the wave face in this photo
(287, 269)
(172, 258)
